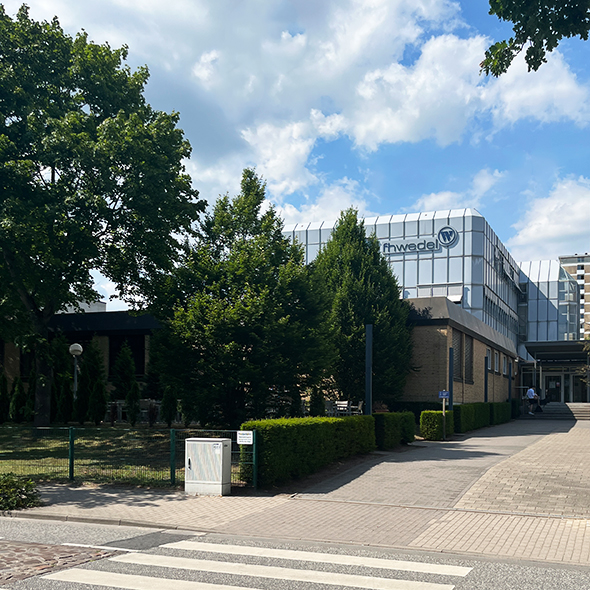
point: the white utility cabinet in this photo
(207, 466)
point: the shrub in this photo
(500, 412)
(431, 424)
(464, 417)
(415, 407)
(18, 401)
(132, 403)
(169, 406)
(393, 428)
(515, 407)
(290, 448)
(17, 493)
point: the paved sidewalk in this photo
(520, 490)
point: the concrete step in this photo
(558, 411)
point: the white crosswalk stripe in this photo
(390, 564)
(244, 575)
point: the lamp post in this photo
(76, 350)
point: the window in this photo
(468, 359)
(497, 362)
(489, 359)
(505, 366)
(457, 355)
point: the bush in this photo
(415, 407)
(515, 407)
(394, 428)
(290, 448)
(431, 424)
(16, 493)
(464, 417)
(500, 412)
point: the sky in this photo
(376, 104)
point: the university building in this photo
(521, 320)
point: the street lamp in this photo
(76, 350)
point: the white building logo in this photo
(448, 236)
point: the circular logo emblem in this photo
(448, 236)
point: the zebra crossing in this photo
(199, 565)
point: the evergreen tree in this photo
(18, 401)
(91, 396)
(362, 290)
(62, 398)
(317, 404)
(123, 373)
(247, 333)
(4, 399)
(169, 406)
(132, 403)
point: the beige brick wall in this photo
(431, 358)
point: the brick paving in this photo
(24, 560)
(520, 490)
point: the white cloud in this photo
(482, 183)
(281, 153)
(550, 94)
(333, 199)
(556, 225)
(204, 68)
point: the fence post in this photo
(173, 456)
(72, 431)
(254, 461)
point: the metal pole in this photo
(451, 376)
(173, 456)
(510, 382)
(75, 377)
(71, 453)
(368, 369)
(485, 380)
(254, 461)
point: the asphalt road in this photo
(146, 558)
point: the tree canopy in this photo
(91, 178)
(246, 337)
(362, 290)
(539, 25)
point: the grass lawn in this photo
(105, 454)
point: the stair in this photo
(558, 411)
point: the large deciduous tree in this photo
(539, 25)
(246, 337)
(91, 178)
(362, 290)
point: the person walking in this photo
(532, 398)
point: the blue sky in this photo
(373, 103)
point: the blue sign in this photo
(443, 395)
(448, 236)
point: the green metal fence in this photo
(141, 457)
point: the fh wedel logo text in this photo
(446, 238)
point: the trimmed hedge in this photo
(500, 412)
(431, 424)
(473, 416)
(415, 407)
(515, 405)
(17, 493)
(393, 428)
(290, 448)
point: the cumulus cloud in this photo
(555, 225)
(482, 183)
(333, 199)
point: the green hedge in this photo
(415, 407)
(473, 416)
(393, 428)
(515, 405)
(17, 493)
(500, 412)
(431, 424)
(290, 448)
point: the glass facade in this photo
(550, 309)
(456, 254)
(452, 254)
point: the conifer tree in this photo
(4, 399)
(123, 373)
(169, 406)
(18, 401)
(132, 403)
(362, 290)
(91, 396)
